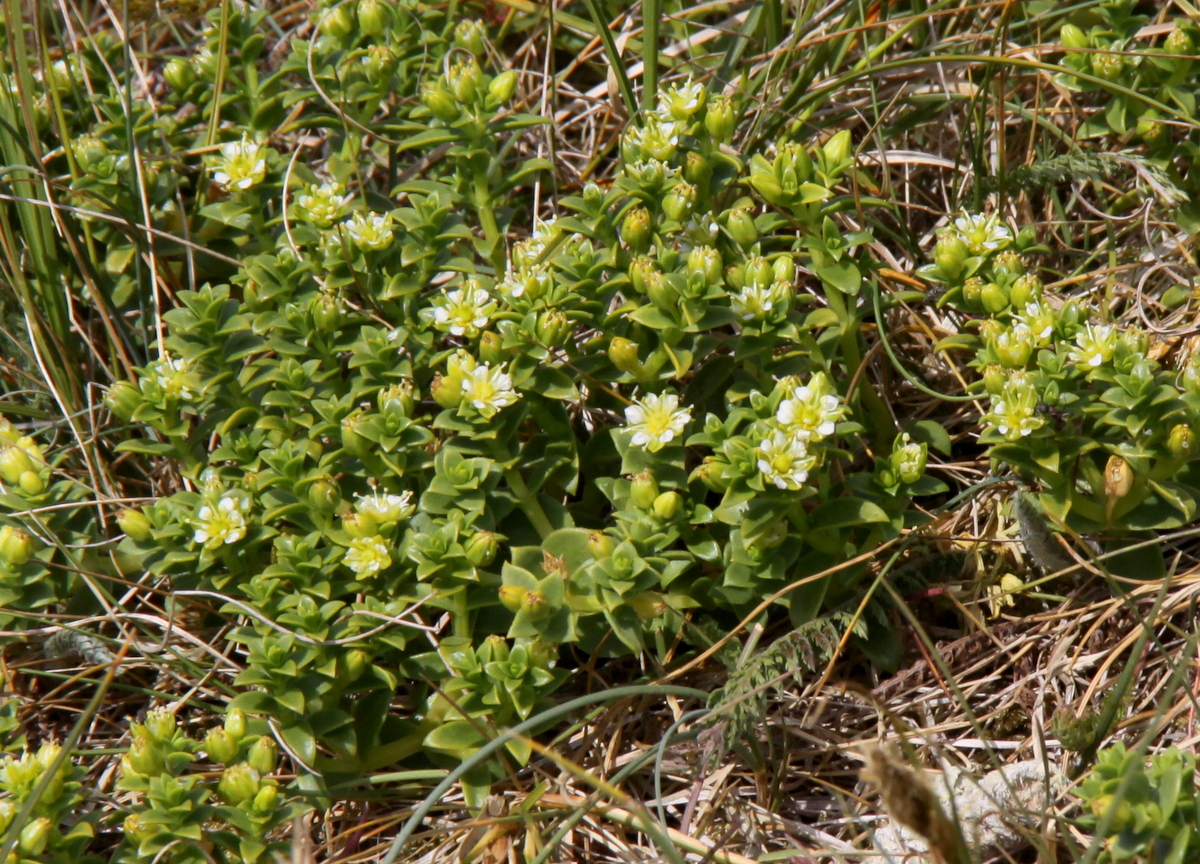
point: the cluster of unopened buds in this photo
(23, 466)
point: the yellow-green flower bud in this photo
(1108, 66)
(490, 350)
(339, 23)
(643, 490)
(34, 837)
(994, 297)
(469, 33)
(327, 313)
(534, 605)
(639, 268)
(373, 16)
(31, 483)
(481, 548)
(740, 223)
(1152, 131)
(352, 441)
(624, 355)
(137, 830)
(15, 546)
(600, 545)
(666, 505)
(324, 496)
(123, 399)
(502, 87)
(90, 151)
(1118, 477)
(446, 390)
(1179, 41)
(397, 399)
(466, 80)
(134, 525)
(950, 254)
(554, 329)
(235, 724)
(359, 525)
(680, 201)
(711, 473)
(144, 758)
(636, 229)
(758, 271)
(1182, 442)
(354, 664)
(972, 292)
(704, 263)
(661, 291)
(239, 783)
(263, 755)
(994, 378)
(697, 170)
(838, 148)
(441, 102)
(648, 605)
(220, 746)
(14, 462)
(719, 119)
(265, 801)
(512, 597)
(1072, 36)
(784, 269)
(179, 74)
(1025, 290)
(1007, 265)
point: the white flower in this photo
(1040, 320)
(753, 301)
(784, 460)
(487, 389)
(221, 525)
(528, 251)
(462, 312)
(385, 508)
(1094, 346)
(175, 378)
(909, 459)
(982, 233)
(371, 232)
(812, 411)
(527, 282)
(241, 164)
(654, 421)
(323, 205)
(367, 556)
(655, 139)
(681, 101)
(1014, 412)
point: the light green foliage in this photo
(180, 814)
(1144, 811)
(1078, 404)
(52, 832)
(630, 416)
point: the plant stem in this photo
(529, 503)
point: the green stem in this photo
(885, 430)
(650, 14)
(487, 220)
(529, 503)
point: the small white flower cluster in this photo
(757, 300)
(655, 420)
(1014, 411)
(242, 164)
(1094, 346)
(367, 556)
(175, 379)
(982, 233)
(488, 390)
(370, 232)
(323, 205)
(808, 415)
(221, 524)
(386, 508)
(463, 311)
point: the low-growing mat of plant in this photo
(507, 432)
